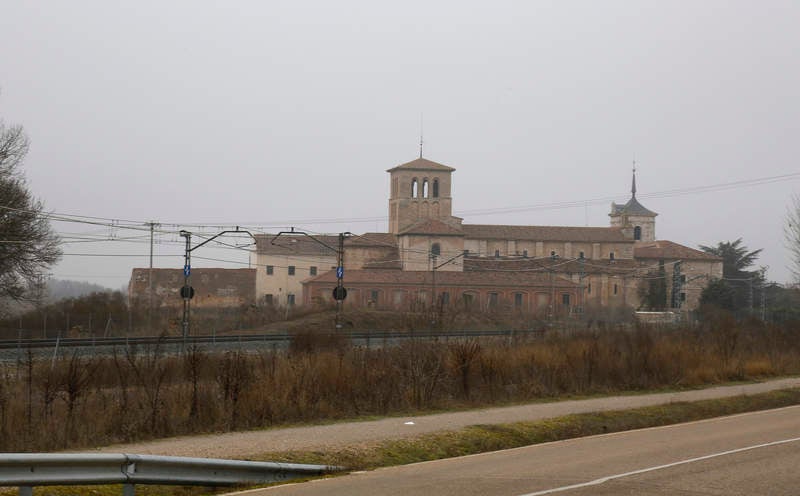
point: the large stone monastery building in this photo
(430, 257)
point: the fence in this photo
(27, 470)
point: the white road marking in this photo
(659, 467)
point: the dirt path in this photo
(249, 444)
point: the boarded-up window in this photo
(542, 300)
(468, 299)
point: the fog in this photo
(202, 115)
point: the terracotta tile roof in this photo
(432, 226)
(463, 279)
(670, 250)
(546, 233)
(372, 239)
(422, 164)
(390, 261)
(295, 244)
(196, 271)
(544, 265)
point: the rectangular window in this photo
(312, 270)
(291, 270)
(525, 253)
(497, 254)
(615, 289)
(468, 300)
(517, 300)
(493, 299)
(611, 256)
(683, 279)
(589, 288)
(270, 270)
(565, 299)
(290, 299)
(683, 296)
(445, 297)
(268, 299)
(581, 256)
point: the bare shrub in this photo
(74, 382)
(233, 377)
(311, 341)
(421, 367)
(463, 354)
(145, 393)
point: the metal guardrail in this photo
(27, 470)
(278, 337)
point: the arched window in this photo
(436, 250)
(436, 188)
(637, 233)
(414, 188)
(425, 188)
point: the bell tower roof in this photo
(633, 207)
(422, 164)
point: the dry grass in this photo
(481, 439)
(485, 438)
(143, 394)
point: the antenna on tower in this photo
(420, 135)
(633, 181)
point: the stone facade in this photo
(429, 254)
(420, 190)
(214, 288)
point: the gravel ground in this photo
(243, 445)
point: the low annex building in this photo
(214, 288)
(430, 257)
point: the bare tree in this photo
(28, 245)
(792, 233)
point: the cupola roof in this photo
(633, 207)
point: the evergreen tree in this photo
(745, 285)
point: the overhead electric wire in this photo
(142, 225)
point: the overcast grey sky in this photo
(282, 113)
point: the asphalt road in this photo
(753, 453)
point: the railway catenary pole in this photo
(187, 292)
(340, 292)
